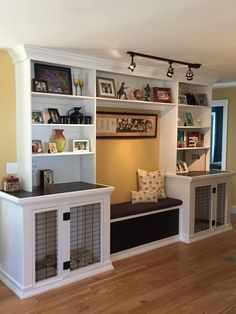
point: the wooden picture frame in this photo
(37, 116)
(201, 99)
(80, 145)
(182, 99)
(162, 94)
(129, 125)
(189, 119)
(37, 146)
(106, 87)
(54, 116)
(58, 78)
(40, 86)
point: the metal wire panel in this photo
(45, 245)
(202, 207)
(221, 203)
(85, 236)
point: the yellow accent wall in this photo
(7, 112)
(230, 94)
(118, 161)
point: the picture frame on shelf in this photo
(46, 178)
(106, 87)
(201, 99)
(189, 119)
(54, 116)
(37, 146)
(37, 116)
(52, 147)
(162, 94)
(181, 167)
(80, 146)
(40, 86)
(58, 78)
(182, 99)
(132, 125)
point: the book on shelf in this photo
(195, 139)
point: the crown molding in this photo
(224, 85)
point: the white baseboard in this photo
(233, 209)
(144, 248)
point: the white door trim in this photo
(223, 103)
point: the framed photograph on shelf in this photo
(37, 116)
(37, 146)
(54, 116)
(40, 86)
(189, 119)
(46, 178)
(162, 94)
(118, 124)
(201, 99)
(106, 87)
(181, 167)
(52, 147)
(182, 100)
(80, 146)
(58, 79)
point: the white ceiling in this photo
(197, 31)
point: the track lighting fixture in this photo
(189, 75)
(170, 72)
(132, 65)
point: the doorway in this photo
(219, 122)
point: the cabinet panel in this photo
(202, 208)
(46, 231)
(221, 204)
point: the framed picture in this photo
(182, 99)
(162, 94)
(37, 146)
(80, 145)
(117, 124)
(54, 116)
(40, 86)
(58, 79)
(37, 117)
(201, 99)
(189, 119)
(46, 178)
(106, 87)
(52, 147)
(181, 167)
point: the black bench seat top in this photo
(128, 209)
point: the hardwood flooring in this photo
(180, 278)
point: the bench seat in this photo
(129, 209)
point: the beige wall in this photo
(7, 112)
(118, 161)
(230, 94)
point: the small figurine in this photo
(147, 93)
(121, 91)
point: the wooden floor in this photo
(180, 278)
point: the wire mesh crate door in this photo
(85, 239)
(221, 204)
(46, 228)
(202, 208)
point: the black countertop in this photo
(57, 189)
(201, 173)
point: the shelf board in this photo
(193, 106)
(193, 148)
(193, 127)
(60, 96)
(61, 125)
(61, 154)
(130, 103)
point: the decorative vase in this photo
(58, 138)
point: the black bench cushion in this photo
(128, 209)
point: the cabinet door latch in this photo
(66, 216)
(66, 265)
(214, 190)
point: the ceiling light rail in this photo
(171, 71)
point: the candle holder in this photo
(81, 85)
(76, 83)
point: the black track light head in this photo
(170, 71)
(132, 65)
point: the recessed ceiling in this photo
(197, 31)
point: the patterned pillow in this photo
(144, 197)
(152, 181)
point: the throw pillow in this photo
(144, 197)
(152, 181)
